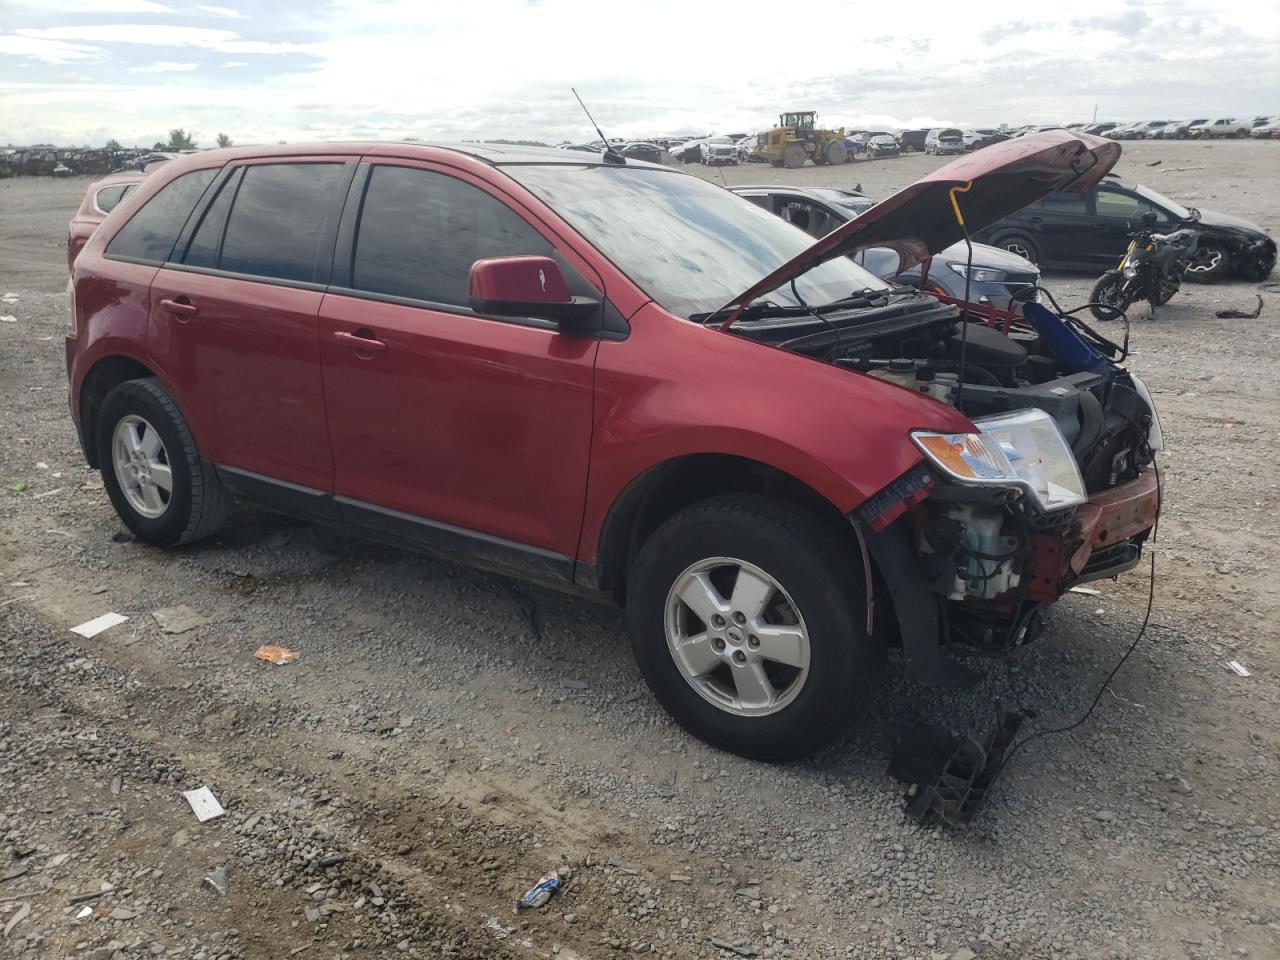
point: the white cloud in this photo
(47, 51)
(220, 11)
(164, 35)
(116, 6)
(441, 70)
(164, 66)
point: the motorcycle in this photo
(1151, 270)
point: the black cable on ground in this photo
(1146, 619)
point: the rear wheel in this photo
(1021, 245)
(1208, 264)
(747, 618)
(794, 156)
(837, 152)
(1108, 300)
(157, 481)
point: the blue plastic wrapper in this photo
(538, 895)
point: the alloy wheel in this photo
(737, 637)
(142, 467)
(1205, 260)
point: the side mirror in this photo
(531, 287)
(1149, 219)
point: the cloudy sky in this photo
(81, 71)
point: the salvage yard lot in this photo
(448, 736)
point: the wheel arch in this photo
(666, 488)
(104, 376)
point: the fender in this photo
(677, 389)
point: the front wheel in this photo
(1166, 287)
(1109, 300)
(161, 487)
(794, 156)
(1208, 264)
(747, 619)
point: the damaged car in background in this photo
(995, 277)
(648, 389)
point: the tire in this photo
(794, 157)
(1208, 264)
(139, 417)
(1108, 291)
(1241, 134)
(813, 575)
(1258, 267)
(837, 152)
(1020, 244)
(1167, 291)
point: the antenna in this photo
(610, 155)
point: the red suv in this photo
(568, 369)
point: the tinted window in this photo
(1066, 203)
(150, 233)
(109, 197)
(1121, 206)
(206, 242)
(420, 232)
(275, 226)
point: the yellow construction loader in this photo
(797, 138)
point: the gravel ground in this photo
(448, 736)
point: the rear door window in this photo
(151, 232)
(1066, 203)
(278, 218)
(1116, 205)
(420, 232)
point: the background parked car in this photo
(998, 278)
(718, 150)
(976, 139)
(910, 141)
(1266, 131)
(1098, 129)
(642, 150)
(1090, 231)
(944, 140)
(100, 199)
(882, 145)
(1222, 127)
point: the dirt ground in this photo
(448, 736)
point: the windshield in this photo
(690, 245)
(720, 140)
(1177, 209)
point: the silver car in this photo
(998, 278)
(719, 150)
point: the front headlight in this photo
(1024, 449)
(978, 274)
(1130, 270)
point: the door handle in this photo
(181, 307)
(361, 340)
(1035, 219)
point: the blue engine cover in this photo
(1064, 344)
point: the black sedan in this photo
(643, 150)
(1090, 231)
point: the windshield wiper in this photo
(866, 297)
(753, 311)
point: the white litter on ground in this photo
(91, 628)
(1238, 668)
(203, 803)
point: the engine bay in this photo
(981, 548)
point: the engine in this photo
(977, 546)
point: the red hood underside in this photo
(919, 221)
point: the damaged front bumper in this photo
(927, 599)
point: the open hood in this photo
(918, 221)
